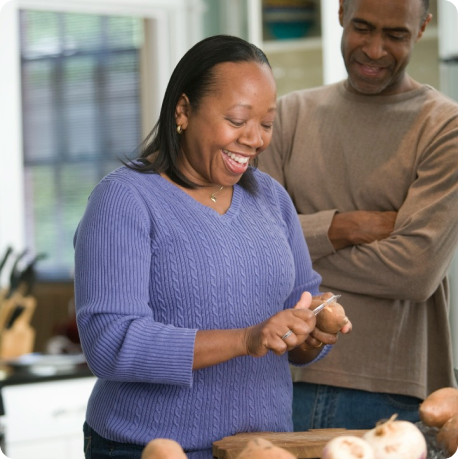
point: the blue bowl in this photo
(288, 30)
(284, 22)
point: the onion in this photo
(397, 440)
(447, 437)
(347, 447)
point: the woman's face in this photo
(232, 125)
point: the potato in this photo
(332, 318)
(163, 448)
(439, 407)
(260, 448)
(447, 437)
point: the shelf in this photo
(315, 43)
(280, 46)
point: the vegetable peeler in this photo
(323, 305)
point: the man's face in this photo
(377, 42)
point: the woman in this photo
(191, 270)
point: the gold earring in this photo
(179, 130)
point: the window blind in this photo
(81, 114)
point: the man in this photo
(372, 166)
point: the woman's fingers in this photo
(283, 331)
(305, 301)
(291, 328)
(317, 336)
(346, 328)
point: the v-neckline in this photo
(178, 193)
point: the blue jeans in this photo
(97, 447)
(318, 406)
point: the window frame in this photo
(171, 27)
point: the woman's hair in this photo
(194, 76)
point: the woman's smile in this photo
(235, 162)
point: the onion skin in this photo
(163, 448)
(260, 448)
(347, 447)
(397, 440)
(439, 407)
(447, 437)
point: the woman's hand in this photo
(304, 342)
(267, 336)
(326, 324)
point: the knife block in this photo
(17, 337)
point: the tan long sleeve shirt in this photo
(335, 151)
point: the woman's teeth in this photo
(238, 158)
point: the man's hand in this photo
(360, 227)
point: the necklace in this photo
(212, 196)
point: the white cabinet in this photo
(45, 420)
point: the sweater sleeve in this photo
(412, 262)
(120, 338)
(316, 228)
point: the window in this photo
(81, 114)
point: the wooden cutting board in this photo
(304, 445)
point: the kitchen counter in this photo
(10, 376)
(45, 402)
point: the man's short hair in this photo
(425, 4)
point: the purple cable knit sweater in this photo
(153, 266)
